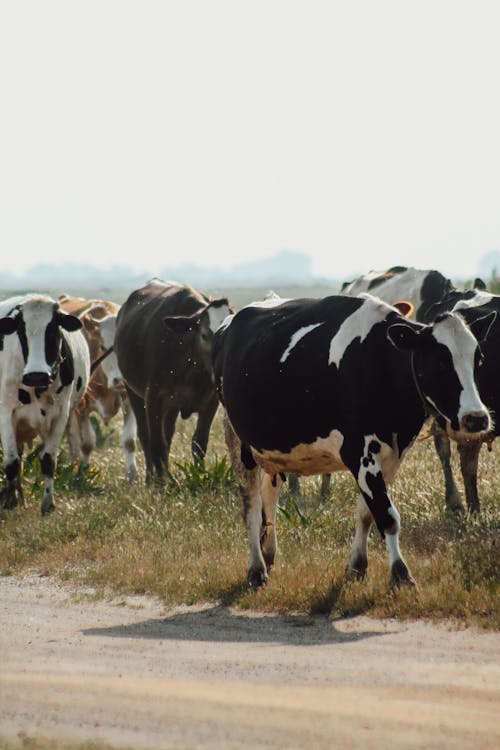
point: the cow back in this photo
(150, 354)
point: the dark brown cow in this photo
(163, 344)
(106, 394)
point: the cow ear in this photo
(90, 323)
(69, 322)
(405, 308)
(182, 323)
(404, 336)
(8, 325)
(481, 326)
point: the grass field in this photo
(186, 543)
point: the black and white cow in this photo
(44, 372)
(320, 385)
(421, 287)
(163, 343)
(471, 305)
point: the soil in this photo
(134, 674)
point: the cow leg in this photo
(11, 495)
(128, 439)
(81, 436)
(373, 487)
(469, 459)
(270, 489)
(358, 559)
(139, 410)
(160, 431)
(88, 437)
(293, 484)
(169, 420)
(204, 422)
(74, 437)
(48, 456)
(443, 448)
(250, 482)
(325, 486)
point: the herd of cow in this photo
(307, 386)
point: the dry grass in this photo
(186, 543)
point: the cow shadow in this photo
(219, 623)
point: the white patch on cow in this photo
(296, 337)
(401, 286)
(461, 343)
(227, 320)
(357, 325)
(392, 540)
(386, 461)
(37, 314)
(107, 329)
(216, 316)
(268, 302)
(320, 457)
(480, 298)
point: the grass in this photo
(27, 742)
(186, 542)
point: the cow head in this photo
(100, 335)
(38, 321)
(444, 357)
(200, 327)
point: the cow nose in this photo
(36, 379)
(478, 421)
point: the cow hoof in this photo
(356, 570)
(256, 578)
(454, 504)
(400, 575)
(269, 560)
(10, 498)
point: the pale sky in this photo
(364, 133)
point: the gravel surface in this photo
(132, 673)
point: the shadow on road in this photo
(218, 623)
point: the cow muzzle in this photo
(36, 379)
(476, 422)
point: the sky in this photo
(153, 133)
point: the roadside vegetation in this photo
(186, 542)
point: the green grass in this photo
(186, 542)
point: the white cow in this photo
(44, 373)
(106, 394)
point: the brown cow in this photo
(106, 394)
(163, 345)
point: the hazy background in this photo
(323, 139)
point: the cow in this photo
(320, 385)
(163, 344)
(44, 372)
(106, 395)
(471, 304)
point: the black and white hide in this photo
(342, 383)
(44, 372)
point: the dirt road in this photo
(136, 675)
